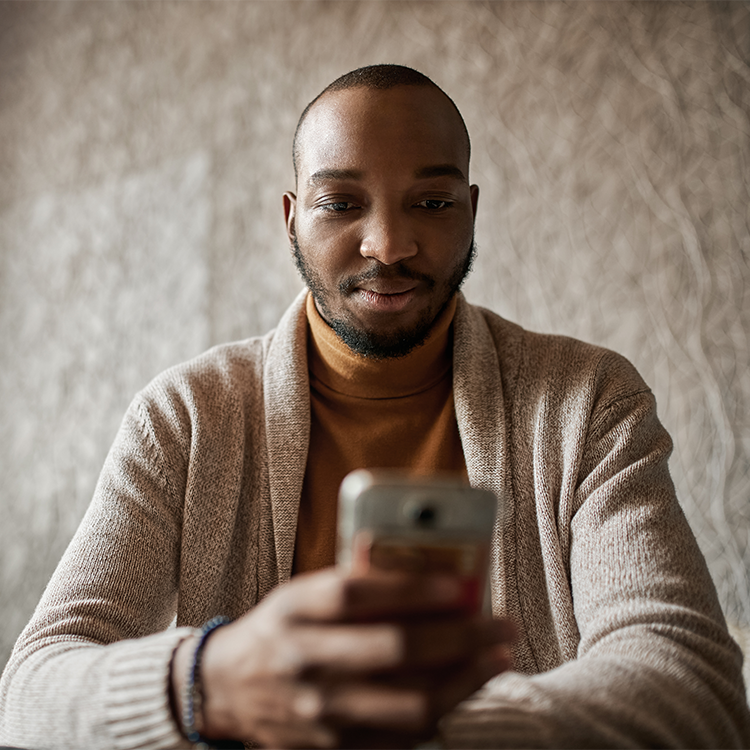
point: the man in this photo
(223, 478)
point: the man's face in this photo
(382, 223)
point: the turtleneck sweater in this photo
(372, 413)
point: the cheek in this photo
(451, 243)
(453, 230)
(329, 246)
(323, 231)
(324, 259)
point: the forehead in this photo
(373, 130)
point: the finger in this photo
(376, 706)
(393, 594)
(281, 713)
(336, 703)
(443, 688)
(329, 595)
(275, 734)
(359, 648)
(282, 701)
(376, 739)
(403, 707)
(345, 649)
(450, 640)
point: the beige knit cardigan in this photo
(622, 641)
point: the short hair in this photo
(375, 77)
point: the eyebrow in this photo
(335, 174)
(436, 170)
(440, 170)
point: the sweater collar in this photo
(336, 366)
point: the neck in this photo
(333, 363)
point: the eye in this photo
(338, 206)
(433, 204)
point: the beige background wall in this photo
(144, 147)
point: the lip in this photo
(387, 286)
(386, 301)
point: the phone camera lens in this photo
(424, 515)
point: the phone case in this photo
(396, 521)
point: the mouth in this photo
(386, 297)
(387, 287)
(386, 290)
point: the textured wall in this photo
(144, 147)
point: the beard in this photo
(402, 340)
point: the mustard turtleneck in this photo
(369, 413)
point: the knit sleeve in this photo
(654, 666)
(91, 669)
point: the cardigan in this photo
(621, 641)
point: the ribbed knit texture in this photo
(621, 638)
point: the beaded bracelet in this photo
(192, 689)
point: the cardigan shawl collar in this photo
(287, 414)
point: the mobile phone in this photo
(394, 520)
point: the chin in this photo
(386, 344)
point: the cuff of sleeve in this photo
(136, 695)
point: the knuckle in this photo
(310, 703)
(348, 595)
(392, 643)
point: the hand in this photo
(328, 660)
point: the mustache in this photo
(397, 272)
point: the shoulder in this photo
(225, 383)
(234, 371)
(551, 365)
(223, 373)
(201, 399)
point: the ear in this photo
(290, 209)
(474, 189)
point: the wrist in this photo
(178, 672)
(217, 719)
(187, 690)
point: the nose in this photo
(388, 237)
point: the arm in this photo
(92, 671)
(82, 673)
(655, 666)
